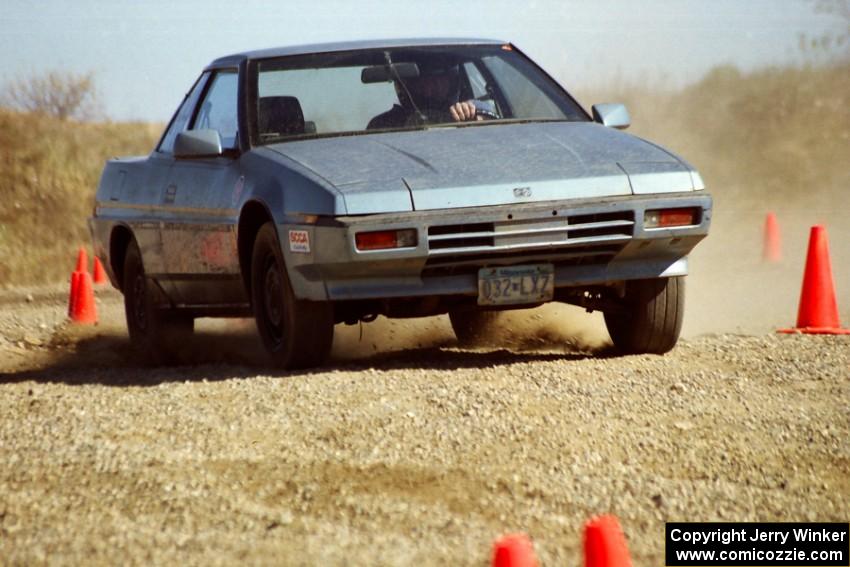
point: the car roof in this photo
(237, 58)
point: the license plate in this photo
(516, 284)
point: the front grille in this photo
(462, 242)
(440, 230)
(566, 240)
(578, 229)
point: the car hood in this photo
(488, 165)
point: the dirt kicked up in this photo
(417, 455)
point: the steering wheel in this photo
(485, 109)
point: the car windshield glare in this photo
(367, 91)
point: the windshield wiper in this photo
(467, 124)
(419, 114)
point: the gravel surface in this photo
(421, 454)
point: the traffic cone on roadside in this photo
(605, 544)
(514, 550)
(82, 266)
(82, 261)
(82, 308)
(818, 311)
(99, 276)
(772, 250)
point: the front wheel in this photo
(296, 333)
(156, 332)
(651, 317)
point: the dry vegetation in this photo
(56, 93)
(772, 138)
(49, 170)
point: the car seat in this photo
(279, 116)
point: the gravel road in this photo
(406, 450)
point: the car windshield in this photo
(368, 91)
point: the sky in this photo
(146, 54)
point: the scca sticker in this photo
(299, 241)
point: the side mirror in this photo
(612, 115)
(197, 143)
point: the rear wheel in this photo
(296, 333)
(157, 333)
(473, 326)
(651, 318)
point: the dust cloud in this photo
(552, 327)
(733, 290)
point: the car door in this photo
(199, 231)
(145, 196)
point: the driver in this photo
(432, 96)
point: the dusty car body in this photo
(532, 200)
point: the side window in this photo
(477, 83)
(524, 96)
(184, 114)
(218, 110)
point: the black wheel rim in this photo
(273, 300)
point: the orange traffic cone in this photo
(82, 307)
(818, 311)
(82, 266)
(772, 250)
(99, 272)
(514, 550)
(605, 544)
(82, 261)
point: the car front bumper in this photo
(589, 242)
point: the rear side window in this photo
(184, 114)
(218, 111)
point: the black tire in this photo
(474, 326)
(651, 320)
(296, 333)
(157, 333)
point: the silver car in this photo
(325, 184)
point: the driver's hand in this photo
(462, 111)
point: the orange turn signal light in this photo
(666, 218)
(385, 239)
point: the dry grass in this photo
(49, 171)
